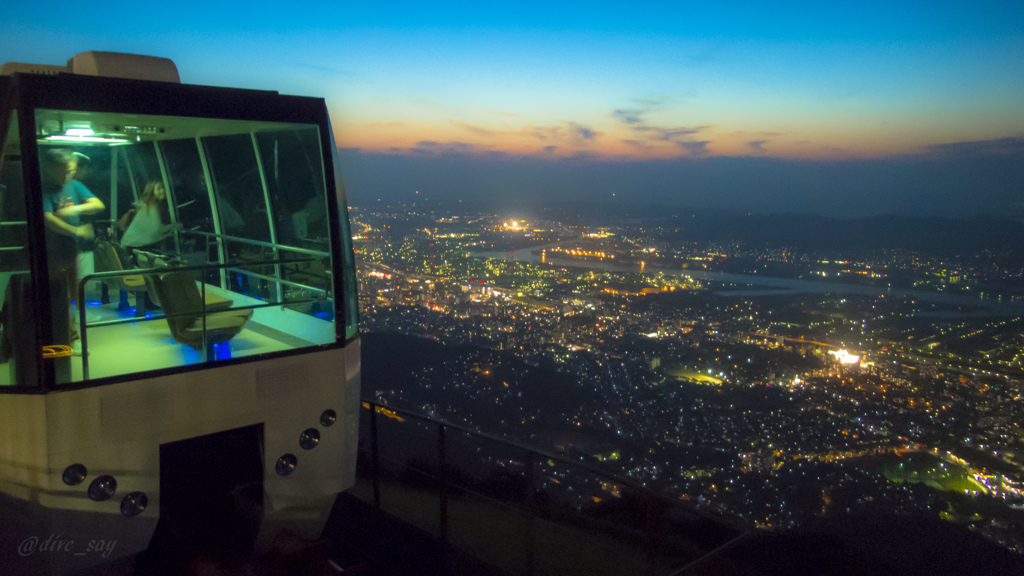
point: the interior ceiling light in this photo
(79, 132)
(71, 138)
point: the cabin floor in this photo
(146, 343)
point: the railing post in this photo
(206, 346)
(374, 456)
(442, 475)
(531, 508)
(650, 533)
(653, 524)
(82, 333)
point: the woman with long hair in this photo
(149, 221)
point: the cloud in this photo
(585, 155)
(837, 151)
(695, 148)
(550, 149)
(582, 131)
(667, 134)
(430, 147)
(635, 116)
(757, 146)
(997, 147)
(572, 134)
(653, 103)
(422, 147)
(379, 125)
(673, 134)
(638, 144)
(478, 130)
(579, 135)
(331, 71)
(545, 132)
(628, 116)
(754, 133)
(679, 136)
(635, 119)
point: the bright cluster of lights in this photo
(845, 357)
(583, 253)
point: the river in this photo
(775, 286)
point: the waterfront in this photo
(775, 286)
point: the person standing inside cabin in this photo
(146, 224)
(149, 221)
(65, 201)
(79, 172)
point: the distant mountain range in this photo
(811, 232)
(804, 232)
(966, 179)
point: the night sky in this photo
(844, 109)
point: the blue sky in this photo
(616, 82)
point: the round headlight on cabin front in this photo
(134, 503)
(328, 417)
(286, 464)
(74, 474)
(102, 488)
(309, 438)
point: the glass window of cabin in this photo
(123, 194)
(188, 187)
(219, 282)
(295, 181)
(241, 204)
(351, 302)
(188, 184)
(143, 163)
(18, 339)
(242, 211)
(293, 164)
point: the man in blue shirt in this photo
(65, 200)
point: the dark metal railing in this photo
(649, 540)
(278, 276)
(163, 270)
(296, 249)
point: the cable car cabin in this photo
(179, 316)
